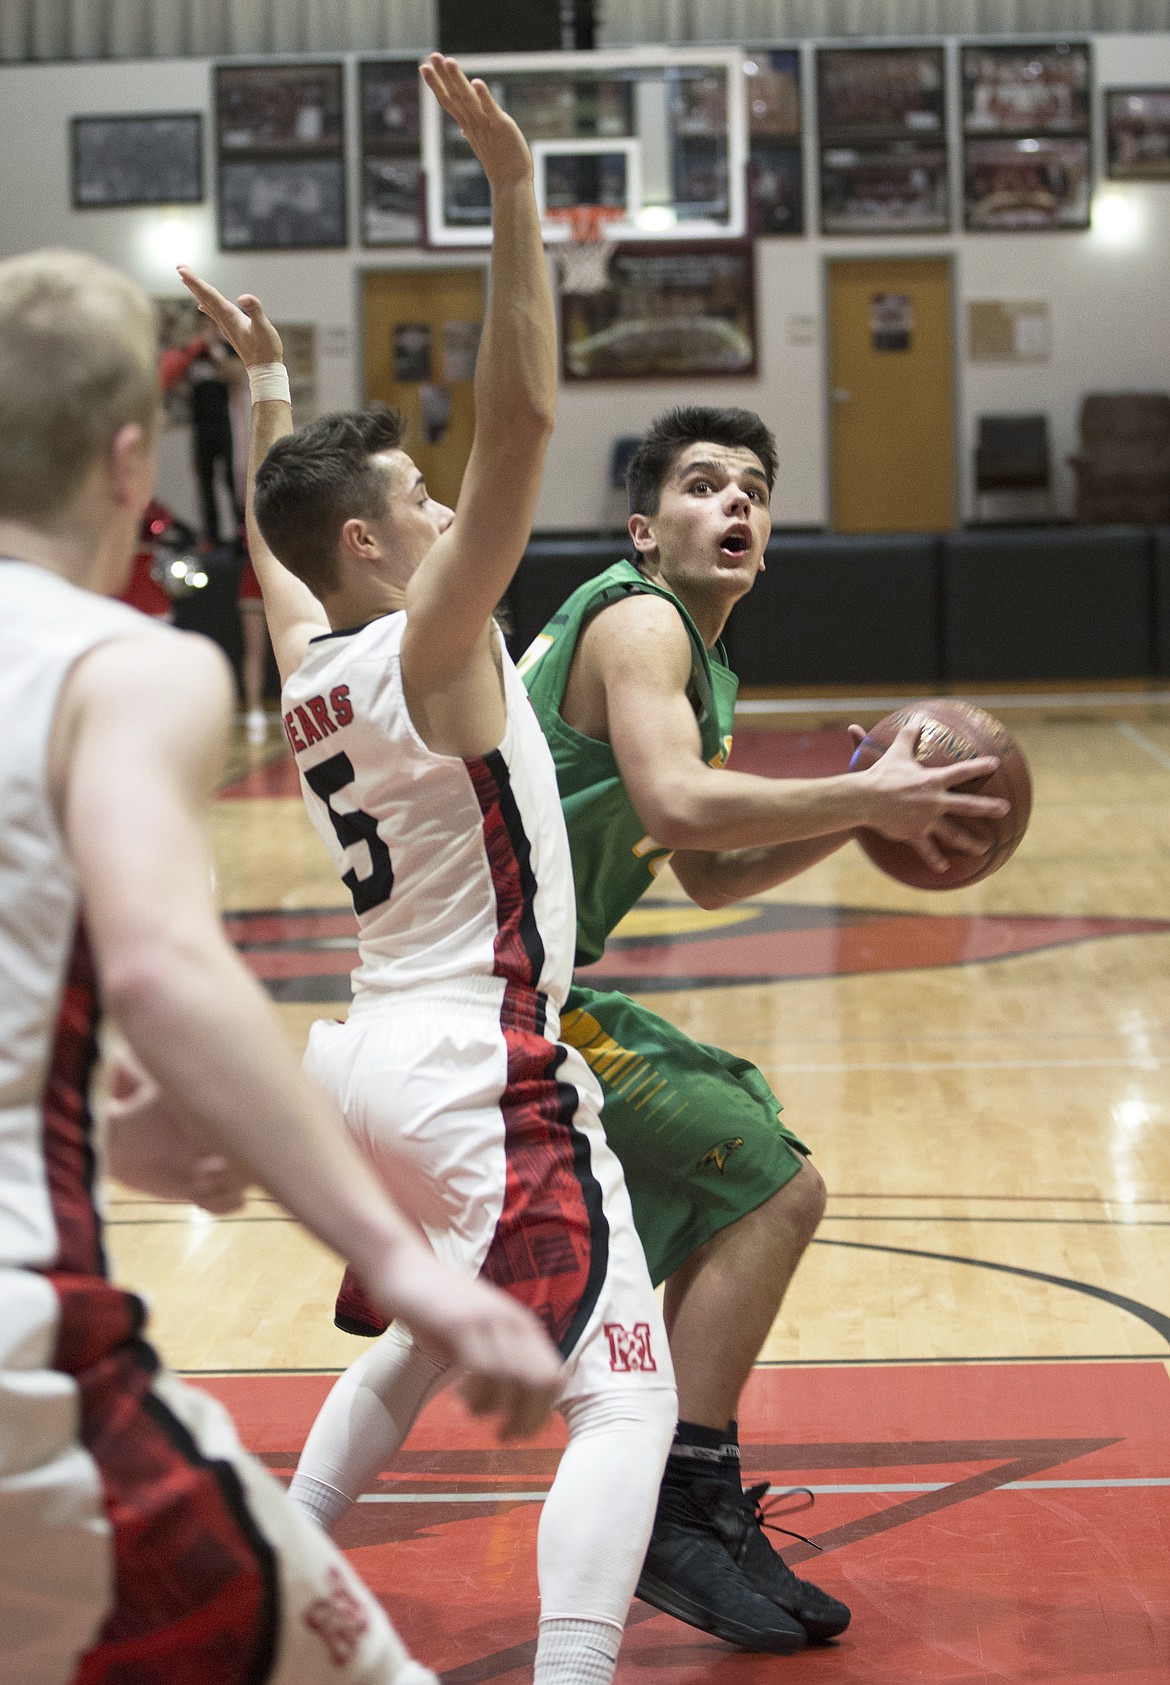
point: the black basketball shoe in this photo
(690, 1574)
(740, 1521)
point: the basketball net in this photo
(582, 260)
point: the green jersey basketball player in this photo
(631, 686)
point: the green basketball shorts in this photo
(696, 1129)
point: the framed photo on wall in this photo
(281, 156)
(1137, 134)
(686, 308)
(878, 92)
(139, 160)
(281, 204)
(1027, 184)
(1027, 89)
(1027, 136)
(775, 153)
(882, 123)
(274, 108)
(897, 189)
(391, 211)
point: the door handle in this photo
(841, 395)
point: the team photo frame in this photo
(280, 129)
(1137, 134)
(1027, 185)
(882, 126)
(1028, 88)
(282, 204)
(145, 159)
(279, 108)
(686, 308)
(391, 162)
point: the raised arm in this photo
(292, 611)
(137, 748)
(451, 597)
(641, 654)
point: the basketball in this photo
(953, 731)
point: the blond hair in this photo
(78, 361)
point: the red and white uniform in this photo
(137, 1540)
(449, 1070)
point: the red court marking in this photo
(275, 779)
(1064, 1587)
(910, 942)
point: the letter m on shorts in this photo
(629, 1348)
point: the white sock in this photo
(576, 1652)
(322, 1502)
(360, 1426)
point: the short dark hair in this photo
(671, 433)
(314, 480)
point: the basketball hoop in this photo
(582, 258)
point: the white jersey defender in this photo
(457, 868)
(448, 1069)
(137, 1539)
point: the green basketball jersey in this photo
(614, 860)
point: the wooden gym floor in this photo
(971, 1371)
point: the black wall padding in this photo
(830, 609)
(499, 26)
(1057, 603)
(1161, 563)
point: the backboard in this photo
(656, 137)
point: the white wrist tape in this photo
(269, 380)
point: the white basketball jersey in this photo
(456, 867)
(48, 1003)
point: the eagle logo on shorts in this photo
(718, 1156)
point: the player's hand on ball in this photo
(950, 793)
(919, 804)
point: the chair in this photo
(1012, 455)
(1123, 465)
(622, 450)
(616, 508)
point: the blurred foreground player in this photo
(426, 774)
(137, 1541)
(632, 689)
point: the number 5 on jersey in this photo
(326, 780)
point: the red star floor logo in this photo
(984, 1521)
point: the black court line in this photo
(947, 1362)
(1013, 1199)
(1156, 1320)
(785, 1363)
(941, 1217)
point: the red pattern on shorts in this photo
(66, 1121)
(195, 1581)
(551, 1246)
(519, 949)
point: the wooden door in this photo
(891, 397)
(421, 328)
